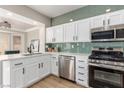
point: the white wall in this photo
(28, 12)
(38, 33)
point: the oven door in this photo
(101, 77)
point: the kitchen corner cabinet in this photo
(54, 65)
(25, 71)
(54, 34)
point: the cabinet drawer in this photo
(81, 68)
(82, 79)
(17, 63)
(81, 63)
(81, 75)
(82, 82)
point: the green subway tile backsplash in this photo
(84, 47)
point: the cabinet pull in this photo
(81, 79)
(80, 67)
(80, 73)
(23, 71)
(108, 21)
(42, 65)
(56, 63)
(18, 64)
(81, 61)
(38, 65)
(73, 38)
(103, 22)
(53, 57)
(76, 37)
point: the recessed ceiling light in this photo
(71, 20)
(108, 10)
(9, 14)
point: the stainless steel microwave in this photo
(108, 35)
(103, 35)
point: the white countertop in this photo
(16, 56)
(65, 53)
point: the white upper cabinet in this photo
(69, 32)
(116, 18)
(83, 31)
(108, 20)
(97, 22)
(58, 33)
(54, 34)
(49, 35)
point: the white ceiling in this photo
(54, 10)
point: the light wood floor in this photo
(55, 82)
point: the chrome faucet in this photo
(30, 48)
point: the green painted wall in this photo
(85, 12)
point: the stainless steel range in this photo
(106, 67)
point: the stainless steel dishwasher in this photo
(67, 67)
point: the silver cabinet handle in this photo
(54, 39)
(103, 22)
(42, 65)
(53, 57)
(81, 67)
(108, 21)
(56, 63)
(81, 79)
(80, 73)
(18, 64)
(74, 38)
(23, 71)
(38, 65)
(81, 61)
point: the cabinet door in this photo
(97, 22)
(31, 73)
(17, 80)
(49, 35)
(83, 31)
(54, 66)
(69, 32)
(58, 34)
(45, 66)
(115, 18)
(0, 74)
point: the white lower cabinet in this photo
(31, 73)
(0, 75)
(44, 66)
(54, 65)
(82, 70)
(24, 72)
(17, 78)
